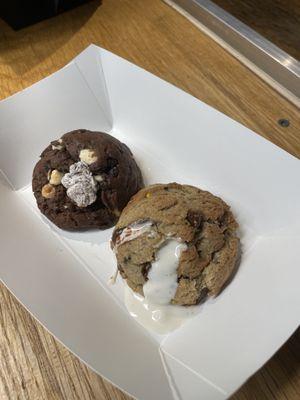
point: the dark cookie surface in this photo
(111, 164)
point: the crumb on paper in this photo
(112, 280)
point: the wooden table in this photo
(33, 365)
(278, 21)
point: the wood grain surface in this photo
(33, 365)
(276, 20)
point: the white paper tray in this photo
(61, 277)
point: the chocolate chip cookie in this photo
(84, 180)
(200, 222)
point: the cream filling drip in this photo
(161, 285)
(158, 318)
(154, 311)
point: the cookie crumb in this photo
(112, 280)
(98, 178)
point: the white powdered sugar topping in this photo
(80, 184)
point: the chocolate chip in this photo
(120, 268)
(110, 163)
(203, 295)
(115, 235)
(122, 272)
(114, 172)
(145, 269)
(222, 219)
(194, 218)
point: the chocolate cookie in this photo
(191, 225)
(84, 180)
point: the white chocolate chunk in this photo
(98, 178)
(55, 177)
(88, 156)
(59, 146)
